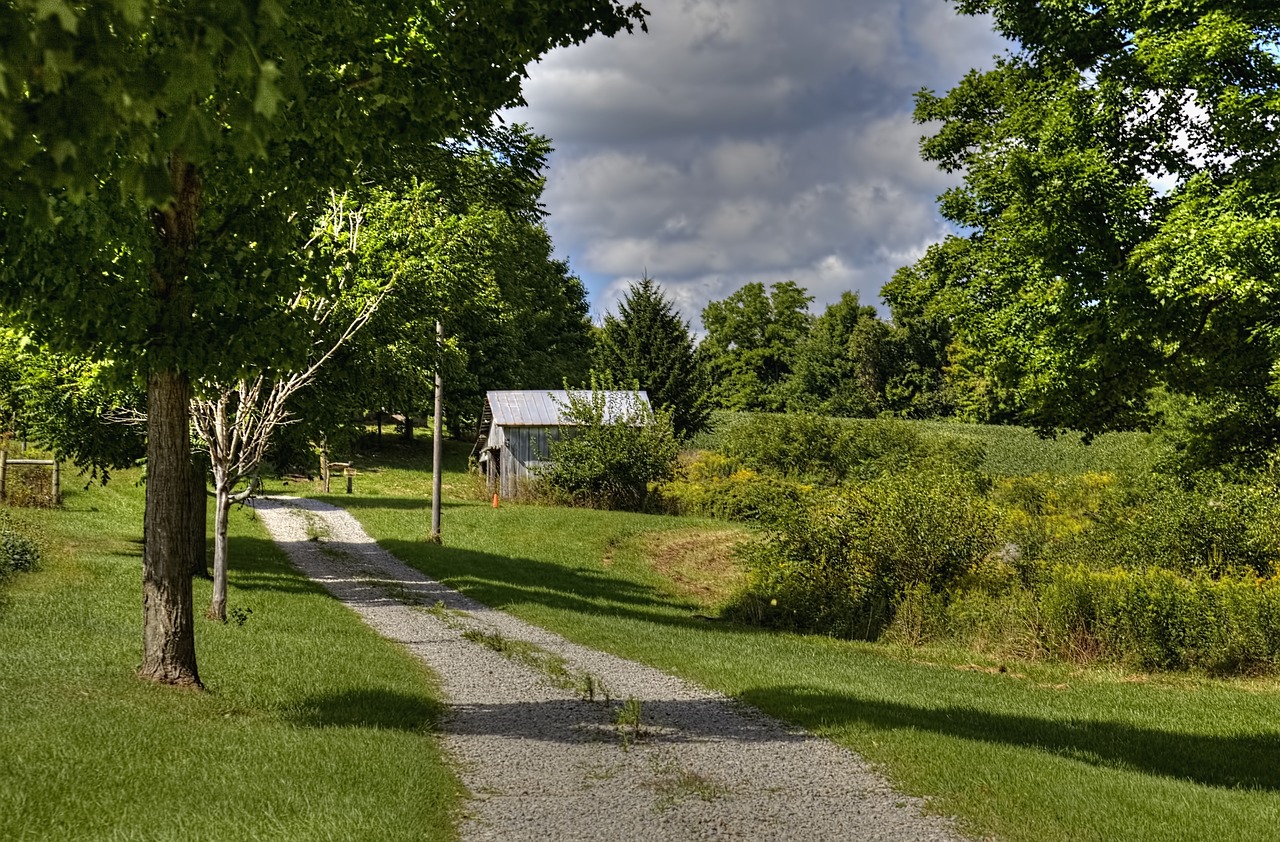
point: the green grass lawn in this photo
(312, 727)
(1031, 752)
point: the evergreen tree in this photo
(649, 343)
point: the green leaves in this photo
(1119, 182)
(648, 343)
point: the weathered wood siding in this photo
(523, 449)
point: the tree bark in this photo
(168, 624)
(168, 632)
(221, 516)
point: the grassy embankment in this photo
(311, 726)
(1037, 751)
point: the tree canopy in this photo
(1119, 213)
(750, 341)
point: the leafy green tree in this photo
(1120, 180)
(647, 342)
(750, 343)
(68, 405)
(615, 447)
(477, 260)
(837, 368)
(853, 363)
(155, 161)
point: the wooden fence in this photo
(55, 483)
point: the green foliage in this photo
(851, 363)
(1157, 619)
(466, 248)
(1213, 528)
(60, 403)
(19, 552)
(1079, 286)
(750, 343)
(616, 447)
(648, 343)
(840, 564)
(824, 451)
(717, 486)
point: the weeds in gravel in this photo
(553, 666)
(674, 785)
(628, 722)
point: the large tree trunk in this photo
(168, 625)
(221, 515)
(168, 633)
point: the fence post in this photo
(4, 473)
(57, 482)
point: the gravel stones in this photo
(558, 741)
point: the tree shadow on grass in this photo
(1243, 761)
(256, 564)
(382, 709)
(501, 581)
(373, 501)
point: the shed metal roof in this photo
(545, 408)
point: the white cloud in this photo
(749, 140)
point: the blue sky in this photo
(749, 140)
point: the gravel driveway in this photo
(556, 741)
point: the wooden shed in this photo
(517, 428)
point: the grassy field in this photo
(1010, 451)
(1017, 751)
(288, 741)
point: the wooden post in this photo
(57, 484)
(324, 466)
(437, 442)
(4, 474)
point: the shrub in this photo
(1213, 528)
(612, 453)
(1157, 619)
(714, 485)
(816, 450)
(840, 563)
(807, 448)
(19, 553)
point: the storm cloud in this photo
(749, 140)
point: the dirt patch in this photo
(698, 562)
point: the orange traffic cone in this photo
(495, 501)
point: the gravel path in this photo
(558, 741)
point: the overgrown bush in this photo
(1157, 619)
(840, 563)
(615, 449)
(1213, 528)
(19, 553)
(714, 485)
(817, 450)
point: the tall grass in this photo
(311, 727)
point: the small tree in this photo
(647, 342)
(236, 421)
(617, 445)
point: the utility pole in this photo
(437, 443)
